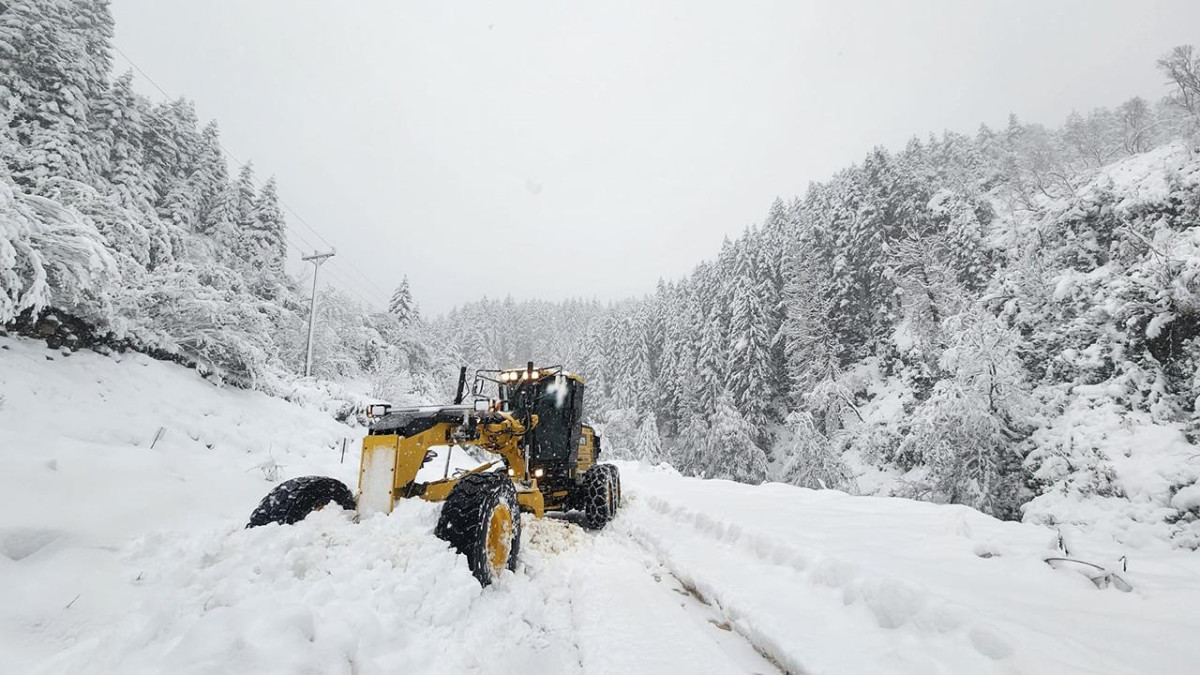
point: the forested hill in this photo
(1006, 319)
(987, 319)
(122, 217)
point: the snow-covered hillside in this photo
(119, 557)
(95, 450)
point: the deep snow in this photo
(122, 558)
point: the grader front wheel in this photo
(291, 501)
(482, 521)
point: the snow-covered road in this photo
(119, 557)
(828, 583)
(693, 576)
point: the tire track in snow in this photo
(727, 620)
(768, 592)
(629, 613)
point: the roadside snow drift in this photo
(119, 557)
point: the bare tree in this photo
(1182, 66)
(1136, 122)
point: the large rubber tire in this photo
(481, 519)
(614, 475)
(599, 497)
(291, 501)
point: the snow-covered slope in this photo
(119, 558)
(95, 450)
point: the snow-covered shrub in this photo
(1101, 466)
(620, 432)
(812, 461)
(970, 431)
(49, 256)
(204, 315)
(731, 451)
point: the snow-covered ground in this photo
(96, 450)
(116, 557)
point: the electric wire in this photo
(349, 286)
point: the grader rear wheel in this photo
(482, 521)
(599, 500)
(615, 476)
(291, 501)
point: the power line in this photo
(285, 205)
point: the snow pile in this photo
(331, 596)
(1119, 475)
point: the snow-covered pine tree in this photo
(711, 361)
(596, 366)
(685, 380)
(269, 231)
(631, 384)
(689, 451)
(750, 368)
(810, 348)
(210, 182)
(669, 309)
(641, 365)
(117, 143)
(240, 205)
(731, 451)
(781, 226)
(54, 66)
(402, 305)
(172, 146)
(647, 447)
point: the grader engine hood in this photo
(411, 421)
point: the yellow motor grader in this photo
(531, 419)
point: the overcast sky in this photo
(586, 149)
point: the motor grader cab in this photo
(530, 419)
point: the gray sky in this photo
(586, 149)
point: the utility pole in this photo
(316, 259)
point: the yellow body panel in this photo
(376, 474)
(409, 455)
(439, 490)
(587, 450)
(502, 437)
(532, 501)
(499, 538)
